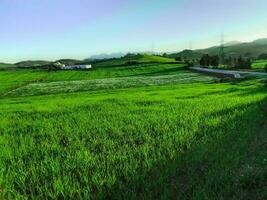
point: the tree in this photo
(129, 55)
(131, 62)
(247, 64)
(188, 64)
(214, 61)
(265, 68)
(205, 60)
(230, 61)
(241, 63)
(262, 56)
(165, 55)
(178, 59)
(55, 66)
(234, 62)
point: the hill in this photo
(122, 61)
(32, 63)
(133, 59)
(42, 63)
(248, 49)
(187, 54)
(6, 66)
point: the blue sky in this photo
(53, 29)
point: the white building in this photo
(76, 67)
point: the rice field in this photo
(152, 131)
(12, 79)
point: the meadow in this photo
(259, 64)
(147, 131)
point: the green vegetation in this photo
(6, 66)
(187, 54)
(124, 61)
(135, 58)
(32, 63)
(10, 80)
(145, 131)
(259, 64)
(227, 63)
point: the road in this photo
(231, 73)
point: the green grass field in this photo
(5, 65)
(259, 64)
(140, 58)
(148, 131)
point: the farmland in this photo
(144, 131)
(259, 64)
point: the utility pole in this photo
(221, 51)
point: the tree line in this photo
(233, 62)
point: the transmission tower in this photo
(221, 51)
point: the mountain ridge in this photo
(246, 49)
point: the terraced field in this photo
(148, 131)
(108, 83)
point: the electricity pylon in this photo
(221, 51)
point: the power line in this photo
(221, 51)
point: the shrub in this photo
(178, 59)
(131, 62)
(262, 56)
(188, 64)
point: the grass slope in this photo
(6, 66)
(158, 142)
(139, 58)
(10, 80)
(108, 83)
(32, 63)
(259, 64)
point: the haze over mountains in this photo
(233, 48)
(246, 49)
(107, 56)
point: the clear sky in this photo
(52, 29)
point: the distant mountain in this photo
(245, 49)
(187, 54)
(32, 63)
(231, 43)
(106, 56)
(262, 41)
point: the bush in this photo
(188, 64)
(132, 62)
(225, 80)
(178, 59)
(262, 56)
